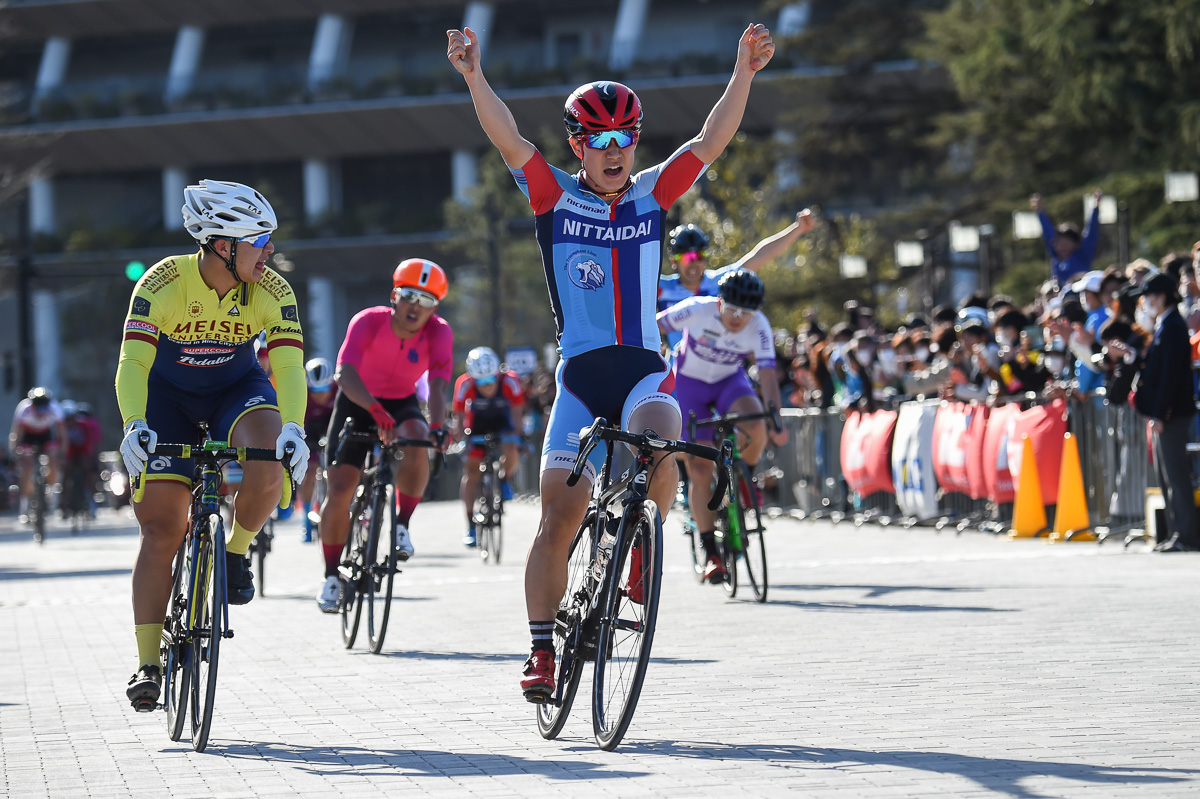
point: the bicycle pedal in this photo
(538, 695)
(146, 706)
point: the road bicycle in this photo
(77, 488)
(614, 572)
(739, 530)
(198, 611)
(259, 547)
(488, 510)
(368, 566)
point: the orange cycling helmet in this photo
(419, 273)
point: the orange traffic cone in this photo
(1071, 522)
(1029, 514)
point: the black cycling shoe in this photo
(144, 687)
(238, 579)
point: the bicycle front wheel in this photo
(495, 512)
(38, 508)
(207, 624)
(630, 609)
(381, 568)
(176, 660)
(754, 550)
(353, 566)
(570, 623)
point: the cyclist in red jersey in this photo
(387, 349)
(601, 234)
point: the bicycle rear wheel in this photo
(178, 672)
(37, 506)
(754, 550)
(495, 512)
(381, 566)
(207, 625)
(626, 627)
(696, 548)
(353, 566)
(570, 623)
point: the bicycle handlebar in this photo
(600, 431)
(771, 413)
(371, 437)
(220, 450)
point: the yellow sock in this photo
(239, 539)
(149, 639)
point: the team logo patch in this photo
(195, 308)
(141, 306)
(413, 356)
(585, 272)
(257, 400)
(160, 464)
(144, 327)
(234, 311)
(289, 313)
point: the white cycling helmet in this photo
(319, 374)
(218, 208)
(482, 362)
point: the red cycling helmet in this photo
(602, 105)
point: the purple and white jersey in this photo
(709, 351)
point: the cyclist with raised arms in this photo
(687, 248)
(601, 233)
(719, 333)
(188, 358)
(317, 415)
(486, 401)
(386, 350)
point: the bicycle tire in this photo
(569, 627)
(177, 671)
(352, 554)
(621, 660)
(754, 549)
(381, 569)
(696, 548)
(495, 511)
(37, 506)
(481, 515)
(262, 545)
(206, 612)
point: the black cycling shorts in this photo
(354, 453)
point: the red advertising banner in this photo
(867, 451)
(977, 487)
(1045, 425)
(996, 476)
(949, 446)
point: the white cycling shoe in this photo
(330, 598)
(404, 547)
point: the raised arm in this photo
(497, 121)
(772, 247)
(755, 49)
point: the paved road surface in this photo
(888, 663)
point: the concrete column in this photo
(42, 217)
(320, 325)
(464, 174)
(322, 188)
(478, 17)
(56, 56)
(174, 179)
(631, 19)
(793, 19)
(185, 61)
(330, 49)
(45, 330)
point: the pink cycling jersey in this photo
(389, 365)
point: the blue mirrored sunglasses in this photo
(601, 141)
(257, 241)
(485, 381)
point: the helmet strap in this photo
(231, 265)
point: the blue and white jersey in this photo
(602, 262)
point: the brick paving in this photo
(887, 663)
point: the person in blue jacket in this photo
(1071, 254)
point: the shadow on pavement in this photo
(21, 573)
(492, 656)
(997, 774)
(875, 590)
(869, 606)
(360, 761)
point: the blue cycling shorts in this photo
(174, 416)
(610, 382)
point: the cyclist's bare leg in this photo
(754, 434)
(162, 515)
(510, 459)
(26, 465)
(563, 508)
(262, 481)
(663, 418)
(309, 484)
(469, 487)
(701, 471)
(340, 483)
(54, 472)
(412, 473)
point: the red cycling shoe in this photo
(538, 684)
(714, 572)
(634, 585)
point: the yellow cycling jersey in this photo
(180, 332)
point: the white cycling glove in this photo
(131, 449)
(294, 434)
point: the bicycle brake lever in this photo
(724, 480)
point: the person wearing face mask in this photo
(978, 374)
(1020, 370)
(860, 365)
(1165, 394)
(1083, 340)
